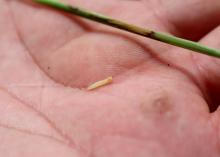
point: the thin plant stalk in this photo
(169, 39)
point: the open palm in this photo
(158, 105)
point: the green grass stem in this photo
(169, 39)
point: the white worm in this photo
(100, 83)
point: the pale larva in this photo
(100, 83)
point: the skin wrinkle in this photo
(49, 122)
(69, 41)
(55, 141)
(67, 140)
(32, 133)
(41, 95)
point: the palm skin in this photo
(158, 104)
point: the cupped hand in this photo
(158, 104)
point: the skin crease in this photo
(159, 101)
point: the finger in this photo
(209, 71)
(192, 18)
(209, 67)
(202, 69)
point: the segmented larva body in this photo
(100, 83)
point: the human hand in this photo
(158, 104)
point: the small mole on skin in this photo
(159, 106)
(48, 68)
